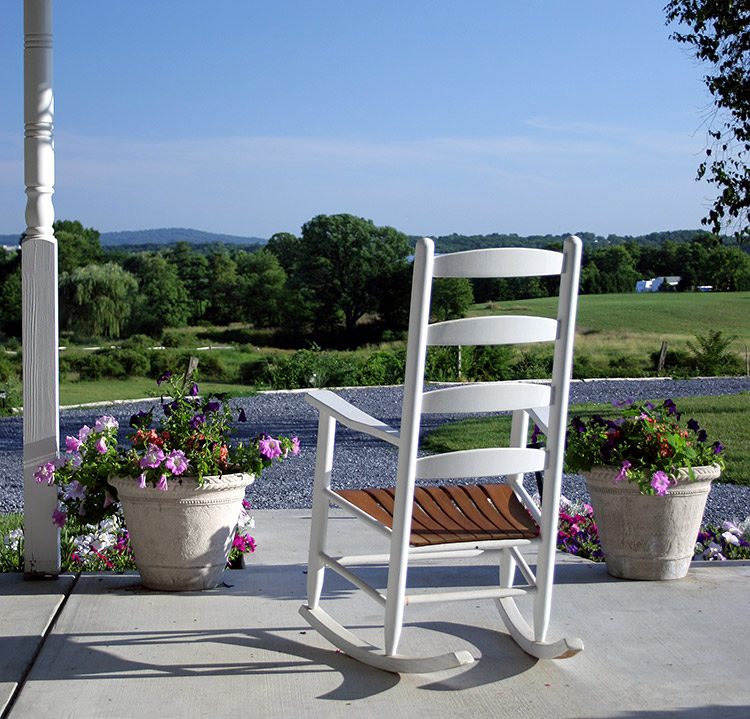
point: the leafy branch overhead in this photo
(718, 33)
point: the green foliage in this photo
(342, 260)
(95, 300)
(718, 33)
(312, 368)
(712, 354)
(384, 368)
(77, 246)
(451, 298)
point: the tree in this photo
(286, 247)
(451, 298)
(95, 300)
(718, 32)
(10, 293)
(263, 283)
(77, 246)
(343, 260)
(162, 298)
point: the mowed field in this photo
(636, 324)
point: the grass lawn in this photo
(724, 417)
(616, 326)
(73, 393)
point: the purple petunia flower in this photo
(718, 448)
(153, 458)
(242, 416)
(197, 421)
(702, 435)
(212, 406)
(75, 491)
(693, 425)
(535, 434)
(165, 376)
(193, 390)
(624, 403)
(59, 518)
(623, 470)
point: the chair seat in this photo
(451, 514)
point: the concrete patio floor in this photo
(102, 645)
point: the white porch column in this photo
(41, 404)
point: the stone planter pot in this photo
(645, 536)
(182, 537)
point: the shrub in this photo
(97, 365)
(137, 342)
(179, 339)
(442, 364)
(712, 355)
(487, 364)
(383, 367)
(135, 362)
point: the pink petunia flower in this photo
(72, 444)
(269, 447)
(101, 445)
(162, 483)
(59, 518)
(142, 480)
(660, 483)
(106, 422)
(84, 432)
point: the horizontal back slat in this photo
(499, 262)
(495, 330)
(491, 462)
(486, 397)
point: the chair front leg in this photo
(319, 524)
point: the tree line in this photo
(341, 282)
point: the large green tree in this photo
(344, 260)
(162, 299)
(718, 33)
(77, 246)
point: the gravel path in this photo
(289, 484)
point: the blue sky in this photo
(248, 118)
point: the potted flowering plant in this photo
(180, 483)
(648, 476)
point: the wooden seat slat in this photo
(452, 514)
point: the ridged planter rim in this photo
(606, 472)
(186, 484)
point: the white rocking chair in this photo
(433, 521)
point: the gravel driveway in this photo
(289, 484)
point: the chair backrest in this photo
(486, 397)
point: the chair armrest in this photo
(330, 403)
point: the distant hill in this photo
(170, 235)
(163, 236)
